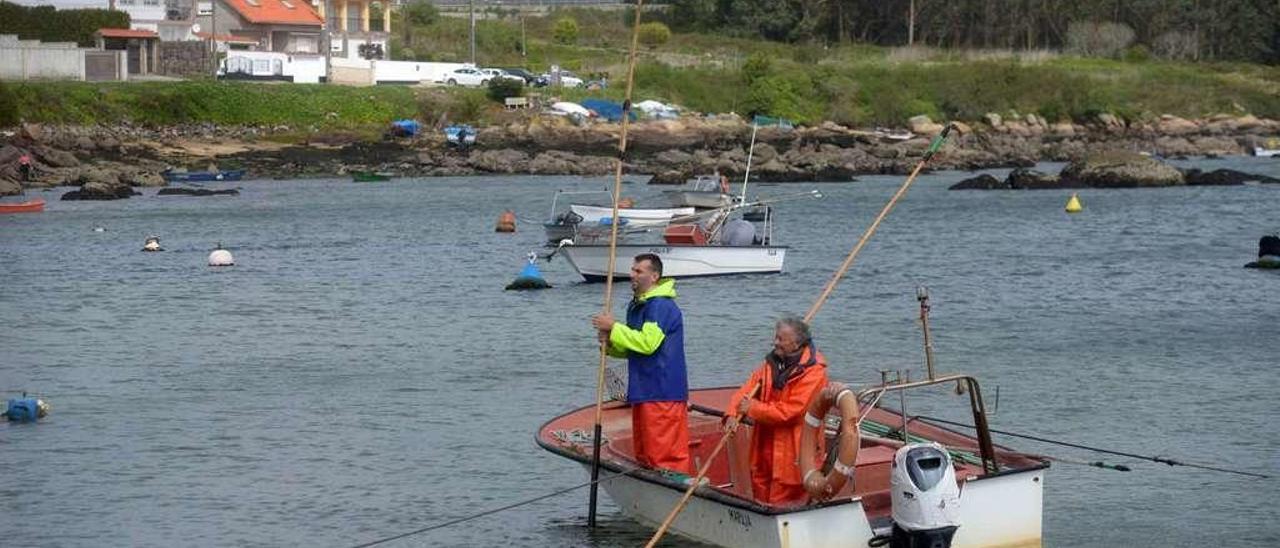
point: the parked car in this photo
(466, 76)
(567, 79)
(500, 73)
(529, 77)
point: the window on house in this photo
(204, 8)
(151, 2)
(127, 2)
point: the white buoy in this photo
(221, 257)
(99, 229)
(153, 244)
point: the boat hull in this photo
(591, 261)
(698, 198)
(1265, 152)
(1003, 511)
(29, 206)
(998, 510)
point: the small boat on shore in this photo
(28, 206)
(174, 176)
(370, 176)
(1002, 490)
(1269, 149)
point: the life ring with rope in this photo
(824, 486)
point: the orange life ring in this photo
(823, 486)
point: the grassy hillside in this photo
(850, 84)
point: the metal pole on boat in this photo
(902, 403)
(922, 295)
(750, 152)
(848, 261)
(613, 255)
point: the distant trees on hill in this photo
(1204, 29)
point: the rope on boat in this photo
(1161, 460)
(613, 255)
(496, 510)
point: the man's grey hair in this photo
(798, 326)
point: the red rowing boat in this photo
(29, 206)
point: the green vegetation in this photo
(566, 31)
(231, 103)
(654, 34)
(47, 24)
(852, 84)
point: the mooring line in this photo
(1161, 460)
(496, 510)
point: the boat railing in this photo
(871, 397)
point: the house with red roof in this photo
(285, 26)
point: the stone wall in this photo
(184, 59)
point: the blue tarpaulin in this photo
(405, 128)
(607, 109)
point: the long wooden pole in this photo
(808, 317)
(613, 255)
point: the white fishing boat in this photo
(1263, 152)
(705, 191)
(678, 261)
(633, 217)
(1000, 491)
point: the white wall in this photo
(411, 71)
(29, 59)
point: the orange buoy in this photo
(506, 222)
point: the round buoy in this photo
(530, 277)
(221, 257)
(506, 222)
(99, 229)
(1073, 205)
(26, 409)
(152, 244)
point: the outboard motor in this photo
(926, 498)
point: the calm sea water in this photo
(361, 372)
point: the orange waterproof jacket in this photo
(779, 419)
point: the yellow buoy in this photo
(1073, 205)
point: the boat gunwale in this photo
(620, 246)
(650, 476)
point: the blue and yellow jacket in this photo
(653, 343)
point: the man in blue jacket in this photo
(652, 340)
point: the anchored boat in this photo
(1001, 490)
(705, 191)
(634, 217)
(28, 206)
(174, 176)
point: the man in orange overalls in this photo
(789, 377)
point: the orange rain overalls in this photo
(779, 420)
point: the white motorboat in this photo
(706, 191)
(1001, 491)
(678, 261)
(634, 217)
(1266, 152)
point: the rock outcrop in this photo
(1119, 169)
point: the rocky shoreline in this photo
(107, 162)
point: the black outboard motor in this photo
(926, 498)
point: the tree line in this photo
(1247, 30)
